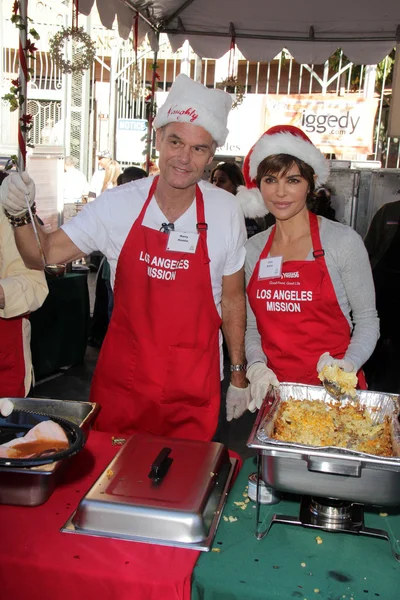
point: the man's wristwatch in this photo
(238, 368)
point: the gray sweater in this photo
(350, 272)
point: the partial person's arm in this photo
(22, 290)
(254, 351)
(374, 238)
(57, 247)
(233, 309)
(233, 326)
(355, 271)
(259, 375)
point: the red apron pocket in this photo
(121, 366)
(188, 377)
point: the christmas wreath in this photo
(232, 82)
(85, 50)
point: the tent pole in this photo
(151, 108)
(23, 78)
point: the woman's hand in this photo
(326, 360)
(261, 378)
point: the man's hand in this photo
(6, 407)
(13, 191)
(326, 360)
(237, 401)
(261, 378)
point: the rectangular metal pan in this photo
(33, 486)
(328, 471)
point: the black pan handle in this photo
(160, 465)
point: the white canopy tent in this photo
(311, 30)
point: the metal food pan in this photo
(329, 471)
(33, 486)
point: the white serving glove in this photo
(6, 407)
(13, 191)
(326, 360)
(261, 378)
(237, 401)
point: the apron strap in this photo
(148, 200)
(267, 247)
(201, 223)
(318, 251)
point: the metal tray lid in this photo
(157, 489)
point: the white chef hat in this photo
(192, 102)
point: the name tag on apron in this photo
(179, 241)
(270, 267)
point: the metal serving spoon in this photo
(333, 389)
(54, 270)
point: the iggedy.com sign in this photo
(334, 124)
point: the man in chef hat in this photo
(175, 245)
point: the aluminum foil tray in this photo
(33, 486)
(329, 471)
(180, 508)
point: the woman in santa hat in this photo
(311, 299)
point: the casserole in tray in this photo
(328, 471)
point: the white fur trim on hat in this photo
(251, 202)
(286, 143)
(192, 102)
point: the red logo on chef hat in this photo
(190, 112)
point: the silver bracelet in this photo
(238, 368)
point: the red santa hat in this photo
(192, 102)
(280, 139)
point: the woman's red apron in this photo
(298, 315)
(12, 361)
(158, 370)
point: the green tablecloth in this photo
(289, 563)
(60, 326)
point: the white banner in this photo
(130, 144)
(334, 124)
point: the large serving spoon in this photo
(54, 270)
(333, 390)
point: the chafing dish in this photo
(329, 472)
(33, 486)
(158, 490)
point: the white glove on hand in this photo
(260, 377)
(6, 407)
(13, 191)
(326, 360)
(237, 401)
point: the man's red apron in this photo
(12, 362)
(298, 315)
(158, 370)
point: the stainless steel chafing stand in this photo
(321, 508)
